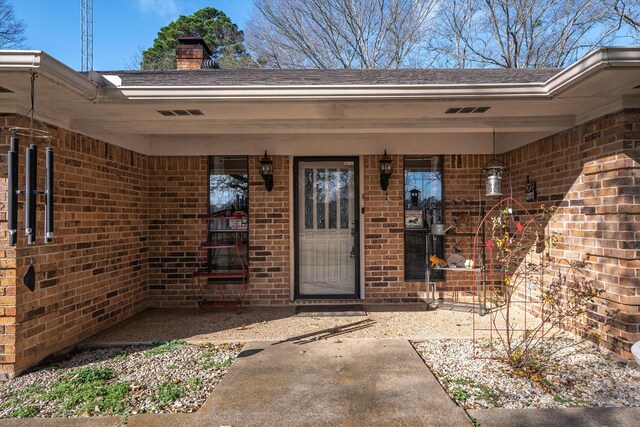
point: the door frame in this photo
(296, 226)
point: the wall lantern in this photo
(386, 169)
(415, 196)
(266, 170)
(494, 170)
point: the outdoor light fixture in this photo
(386, 169)
(266, 170)
(494, 170)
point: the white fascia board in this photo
(334, 91)
(43, 64)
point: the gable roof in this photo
(308, 77)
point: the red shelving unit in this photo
(223, 239)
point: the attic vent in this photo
(181, 112)
(5, 90)
(466, 110)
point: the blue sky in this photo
(120, 27)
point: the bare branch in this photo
(339, 33)
(11, 28)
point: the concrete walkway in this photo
(356, 382)
(333, 382)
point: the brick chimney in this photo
(191, 52)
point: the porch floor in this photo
(280, 324)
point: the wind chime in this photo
(30, 190)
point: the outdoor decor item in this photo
(413, 218)
(29, 278)
(635, 350)
(31, 179)
(494, 169)
(530, 193)
(437, 262)
(415, 196)
(456, 260)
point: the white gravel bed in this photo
(583, 376)
(173, 377)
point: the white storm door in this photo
(327, 228)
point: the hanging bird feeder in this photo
(494, 169)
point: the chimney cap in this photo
(195, 40)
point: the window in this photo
(423, 207)
(228, 193)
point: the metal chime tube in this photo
(48, 216)
(31, 175)
(12, 197)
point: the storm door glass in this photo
(327, 228)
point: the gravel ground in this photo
(173, 377)
(583, 376)
(280, 323)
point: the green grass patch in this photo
(164, 347)
(570, 401)
(90, 390)
(195, 383)
(28, 411)
(225, 364)
(463, 388)
(33, 392)
(168, 392)
(119, 356)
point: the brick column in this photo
(269, 234)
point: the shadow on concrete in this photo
(329, 333)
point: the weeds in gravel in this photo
(164, 347)
(195, 383)
(24, 412)
(90, 390)
(119, 356)
(463, 389)
(225, 364)
(118, 382)
(569, 401)
(168, 392)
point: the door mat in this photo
(352, 310)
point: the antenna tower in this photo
(86, 34)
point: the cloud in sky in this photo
(164, 8)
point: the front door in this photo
(326, 227)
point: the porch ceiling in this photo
(321, 119)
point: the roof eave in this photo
(581, 70)
(43, 64)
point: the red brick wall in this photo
(269, 234)
(384, 235)
(178, 193)
(592, 173)
(127, 232)
(94, 273)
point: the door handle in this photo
(354, 229)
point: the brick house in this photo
(140, 155)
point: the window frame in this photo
(245, 252)
(436, 275)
